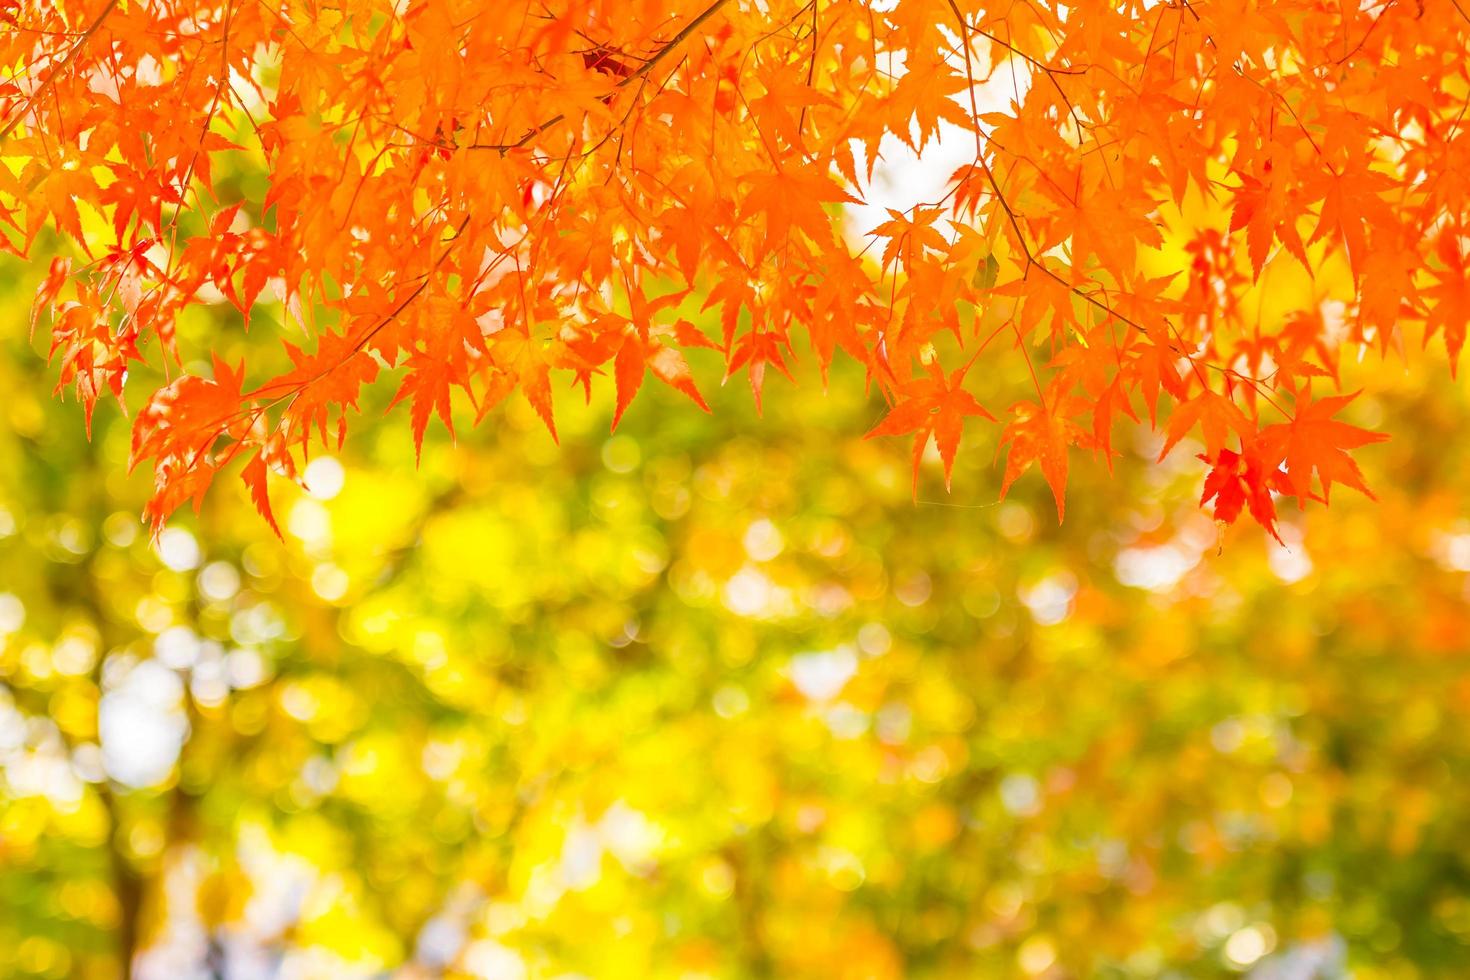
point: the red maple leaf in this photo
(1240, 480)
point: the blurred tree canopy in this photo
(716, 697)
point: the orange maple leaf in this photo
(1039, 435)
(932, 405)
(1215, 415)
(1314, 441)
(636, 357)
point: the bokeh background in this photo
(716, 696)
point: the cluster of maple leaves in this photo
(492, 197)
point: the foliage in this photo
(498, 198)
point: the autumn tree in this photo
(488, 200)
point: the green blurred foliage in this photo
(716, 697)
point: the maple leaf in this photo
(1350, 204)
(909, 237)
(842, 307)
(793, 195)
(924, 95)
(1111, 398)
(1449, 297)
(141, 194)
(536, 386)
(254, 475)
(932, 405)
(185, 418)
(1239, 480)
(1265, 212)
(1215, 415)
(427, 381)
(330, 378)
(784, 104)
(635, 358)
(1388, 290)
(1154, 365)
(61, 187)
(1110, 225)
(50, 288)
(1041, 436)
(1303, 331)
(1313, 441)
(753, 352)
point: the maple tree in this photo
(493, 199)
